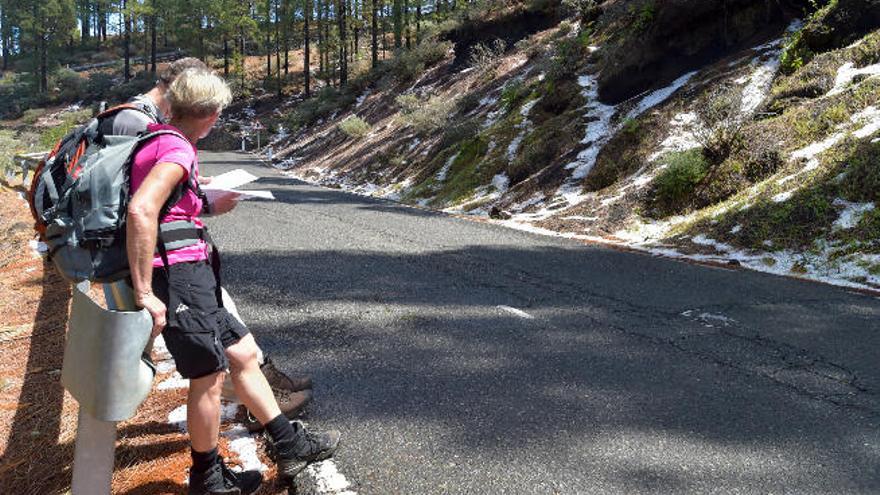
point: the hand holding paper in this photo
(224, 184)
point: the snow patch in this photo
(659, 96)
(847, 73)
(444, 171)
(851, 214)
(177, 418)
(175, 381)
(245, 447)
(759, 84)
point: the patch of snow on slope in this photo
(501, 182)
(659, 96)
(598, 130)
(847, 73)
(851, 213)
(524, 128)
(721, 247)
(444, 171)
(759, 83)
(870, 117)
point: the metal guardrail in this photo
(28, 161)
(104, 371)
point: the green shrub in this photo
(541, 147)
(513, 94)
(484, 56)
(32, 115)
(430, 115)
(642, 17)
(71, 86)
(321, 106)
(99, 85)
(53, 134)
(408, 103)
(354, 127)
(684, 171)
(408, 65)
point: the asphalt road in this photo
(460, 357)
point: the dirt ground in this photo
(37, 416)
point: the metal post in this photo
(258, 140)
(95, 439)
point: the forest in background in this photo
(62, 51)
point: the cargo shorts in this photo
(199, 330)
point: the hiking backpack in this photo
(79, 200)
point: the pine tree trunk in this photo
(277, 52)
(44, 64)
(356, 14)
(85, 6)
(307, 14)
(398, 23)
(4, 35)
(375, 35)
(153, 42)
(419, 22)
(225, 57)
(126, 74)
(343, 44)
(406, 24)
(321, 41)
(268, 39)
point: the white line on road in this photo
(517, 312)
(323, 478)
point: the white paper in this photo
(230, 180)
(214, 194)
(227, 183)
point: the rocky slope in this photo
(635, 128)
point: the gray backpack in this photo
(79, 199)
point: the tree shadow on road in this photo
(608, 370)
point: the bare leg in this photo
(250, 385)
(203, 411)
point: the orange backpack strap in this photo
(118, 108)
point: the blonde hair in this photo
(198, 93)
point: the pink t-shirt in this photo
(172, 149)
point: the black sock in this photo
(282, 433)
(203, 460)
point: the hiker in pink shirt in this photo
(180, 289)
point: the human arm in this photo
(142, 227)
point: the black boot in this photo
(219, 480)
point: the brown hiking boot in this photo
(290, 403)
(278, 380)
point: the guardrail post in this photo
(96, 436)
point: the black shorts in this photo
(198, 330)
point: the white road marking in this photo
(517, 312)
(323, 478)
